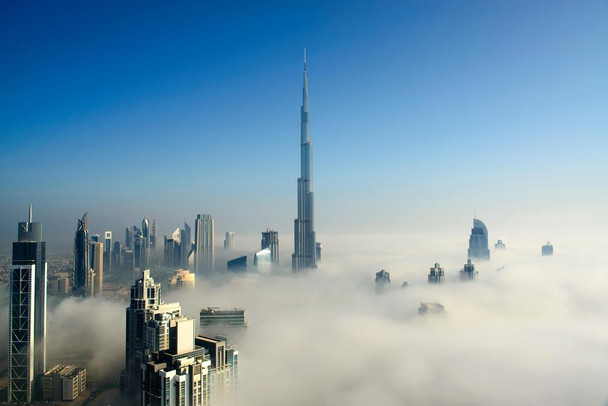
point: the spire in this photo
(30, 217)
(304, 59)
(305, 88)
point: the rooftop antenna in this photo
(30, 218)
(304, 58)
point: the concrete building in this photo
(27, 313)
(204, 248)
(468, 273)
(270, 240)
(478, 242)
(182, 279)
(63, 383)
(547, 249)
(97, 255)
(436, 275)
(229, 241)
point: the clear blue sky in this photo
(419, 109)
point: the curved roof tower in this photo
(478, 241)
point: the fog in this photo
(533, 332)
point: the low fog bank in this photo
(533, 332)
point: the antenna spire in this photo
(304, 58)
(30, 216)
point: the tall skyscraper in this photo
(97, 253)
(145, 252)
(128, 238)
(437, 274)
(27, 312)
(304, 255)
(204, 248)
(478, 241)
(153, 235)
(270, 240)
(107, 252)
(116, 254)
(229, 241)
(81, 276)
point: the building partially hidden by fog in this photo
(304, 255)
(107, 252)
(431, 308)
(547, 249)
(500, 245)
(436, 275)
(383, 279)
(27, 313)
(182, 279)
(223, 372)
(82, 283)
(478, 241)
(262, 260)
(229, 241)
(145, 303)
(204, 248)
(63, 383)
(270, 240)
(97, 265)
(216, 317)
(237, 264)
(468, 273)
(319, 251)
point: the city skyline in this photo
(432, 88)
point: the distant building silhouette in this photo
(238, 264)
(468, 273)
(478, 242)
(318, 251)
(153, 235)
(204, 248)
(383, 279)
(499, 245)
(262, 260)
(97, 254)
(437, 275)
(107, 253)
(182, 279)
(431, 308)
(270, 240)
(229, 241)
(547, 249)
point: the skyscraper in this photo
(204, 249)
(547, 249)
(270, 240)
(478, 241)
(468, 273)
(229, 241)
(81, 280)
(98, 254)
(145, 249)
(304, 255)
(107, 252)
(27, 312)
(436, 275)
(153, 235)
(128, 238)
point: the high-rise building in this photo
(186, 242)
(204, 249)
(319, 250)
(547, 249)
(214, 317)
(116, 254)
(81, 275)
(145, 302)
(145, 249)
(500, 245)
(237, 264)
(107, 252)
(97, 255)
(223, 371)
(27, 313)
(270, 240)
(478, 242)
(262, 260)
(304, 255)
(128, 261)
(437, 275)
(153, 235)
(229, 241)
(128, 238)
(468, 273)
(383, 279)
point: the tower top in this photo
(30, 216)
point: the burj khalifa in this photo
(304, 255)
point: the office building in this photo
(116, 255)
(270, 240)
(237, 264)
(499, 245)
(27, 313)
(153, 235)
(262, 260)
(468, 273)
(145, 240)
(128, 261)
(547, 249)
(478, 242)
(145, 303)
(212, 317)
(63, 383)
(304, 255)
(107, 253)
(172, 250)
(223, 371)
(128, 238)
(383, 279)
(182, 279)
(97, 254)
(204, 249)
(229, 241)
(81, 275)
(437, 275)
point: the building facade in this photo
(270, 240)
(81, 274)
(204, 248)
(436, 275)
(478, 242)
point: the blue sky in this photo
(419, 110)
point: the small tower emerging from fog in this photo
(437, 275)
(547, 249)
(468, 273)
(478, 242)
(500, 245)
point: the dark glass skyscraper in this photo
(81, 276)
(270, 240)
(478, 241)
(27, 312)
(304, 255)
